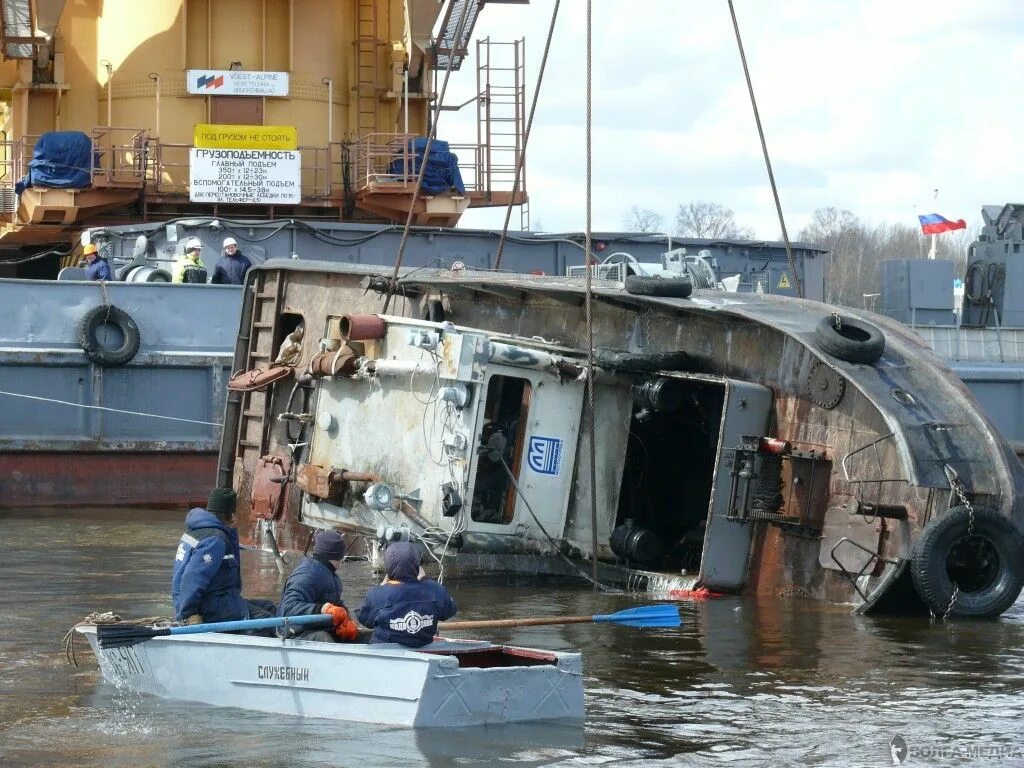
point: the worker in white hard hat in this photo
(232, 265)
(189, 266)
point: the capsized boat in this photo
(745, 443)
(446, 684)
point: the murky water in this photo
(743, 682)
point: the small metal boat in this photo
(451, 683)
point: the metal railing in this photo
(387, 159)
(129, 158)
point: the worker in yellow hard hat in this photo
(96, 267)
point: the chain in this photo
(952, 601)
(958, 489)
(106, 300)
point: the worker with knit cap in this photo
(406, 608)
(315, 587)
(207, 581)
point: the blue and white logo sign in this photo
(545, 455)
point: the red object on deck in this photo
(56, 479)
(701, 593)
(774, 446)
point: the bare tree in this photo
(857, 250)
(699, 218)
(642, 220)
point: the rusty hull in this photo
(105, 479)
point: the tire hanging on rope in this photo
(94, 336)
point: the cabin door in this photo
(726, 553)
(531, 423)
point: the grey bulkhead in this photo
(398, 425)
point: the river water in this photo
(742, 682)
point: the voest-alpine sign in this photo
(270, 177)
(236, 82)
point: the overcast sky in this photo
(868, 105)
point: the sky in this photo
(867, 105)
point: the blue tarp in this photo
(442, 174)
(59, 159)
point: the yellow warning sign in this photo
(209, 136)
(784, 281)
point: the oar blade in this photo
(121, 635)
(663, 615)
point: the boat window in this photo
(504, 430)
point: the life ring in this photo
(985, 568)
(103, 346)
(668, 287)
(849, 339)
(433, 311)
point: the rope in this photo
(526, 137)
(589, 296)
(110, 410)
(107, 618)
(767, 160)
(423, 163)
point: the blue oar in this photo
(663, 615)
(118, 635)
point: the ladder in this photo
(367, 67)
(500, 113)
(254, 420)
(449, 49)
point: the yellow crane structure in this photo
(328, 95)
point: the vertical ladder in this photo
(501, 113)
(367, 67)
(254, 422)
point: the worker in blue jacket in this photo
(207, 581)
(232, 265)
(406, 608)
(315, 587)
(97, 267)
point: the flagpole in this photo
(931, 252)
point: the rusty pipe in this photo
(357, 477)
(361, 327)
(344, 362)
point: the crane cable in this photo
(526, 137)
(588, 298)
(459, 28)
(798, 283)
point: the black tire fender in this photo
(92, 344)
(668, 287)
(1000, 575)
(847, 338)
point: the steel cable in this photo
(767, 160)
(589, 297)
(526, 137)
(423, 163)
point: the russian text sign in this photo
(244, 176)
(237, 82)
(209, 136)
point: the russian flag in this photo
(933, 224)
